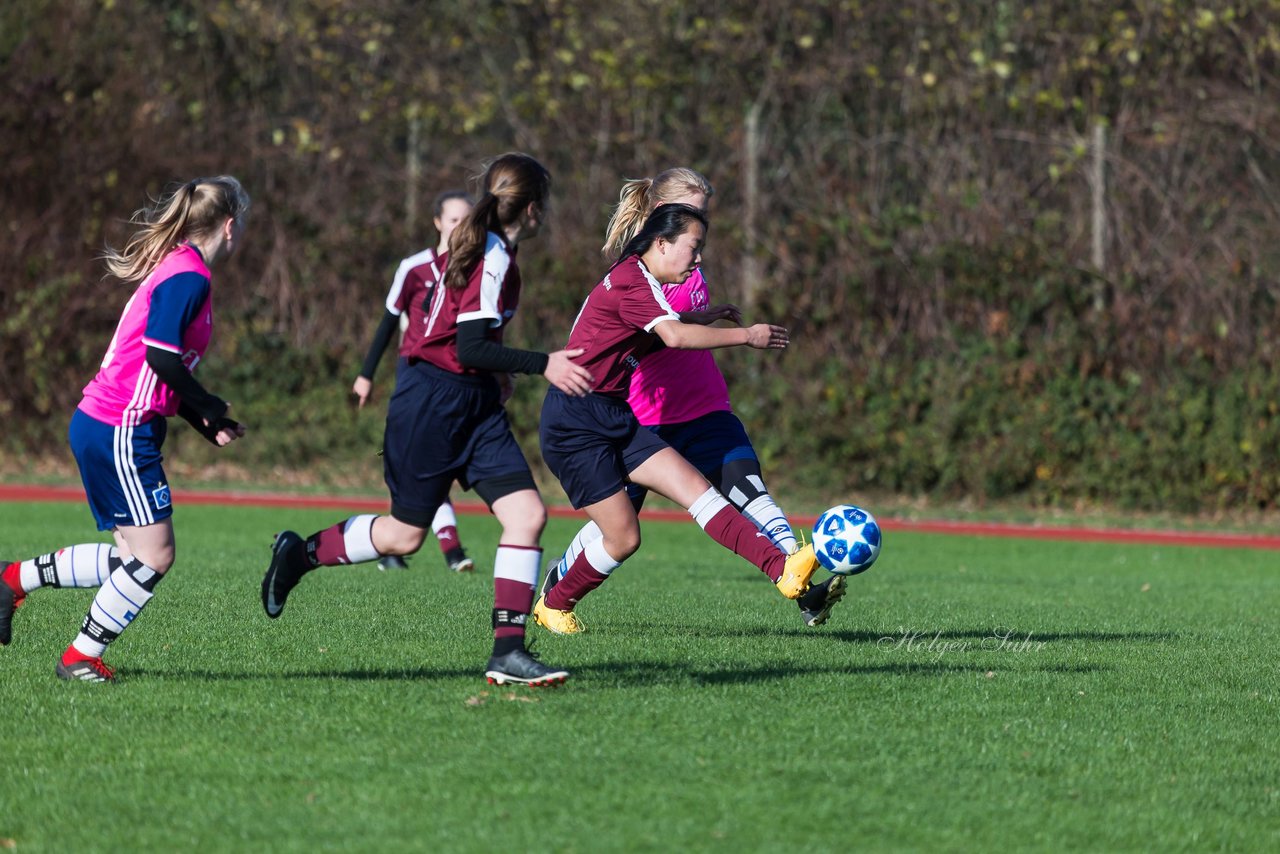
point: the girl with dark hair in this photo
(594, 445)
(682, 396)
(411, 288)
(119, 427)
(446, 422)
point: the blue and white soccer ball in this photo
(846, 539)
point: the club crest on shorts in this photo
(160, 496)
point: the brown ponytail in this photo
(510, 184)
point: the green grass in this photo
(1140, 714)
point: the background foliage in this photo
(907, 185)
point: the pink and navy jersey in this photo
(615, 325)
(674, 386)
(492, 293)
(415, 277)
(172, 309)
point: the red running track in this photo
(976, 529)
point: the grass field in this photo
(969, 694)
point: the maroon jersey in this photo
(615, 325)
(415, 277)
(492, 293)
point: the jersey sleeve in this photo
(397, 297)
(484, 289)
(644, 307)
(175, 302)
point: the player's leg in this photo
(83, 565)
(586, 534)
(670, 475)
(615, 518)
(445, 527)
(129, 495)
(120, 599)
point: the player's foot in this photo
(522, 667)
(552, 576)
(458, 561)
(816, 605)
(556, 622)
(77, 667)
(796, 573)
(391, 562)
(281, 575)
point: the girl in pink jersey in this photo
(682, 397)
(446, 422)
(117, 431)
(595, 446)
(414, 279)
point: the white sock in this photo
(120, 599)
(589, 532)
(707, 506)
(769, 518)
(357, 539)
(444, 518)
(85, 565)
(518, 564)
(601, 561)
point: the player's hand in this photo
(362, 388)
(766, 336)
(562, 373)
(728, 311)
(228, 432)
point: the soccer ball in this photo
(846, 539)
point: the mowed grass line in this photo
(968, 694)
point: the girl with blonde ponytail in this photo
(446, 421)
(682, 396)
(119, 427)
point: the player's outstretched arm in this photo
(688, 336)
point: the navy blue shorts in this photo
(443, 427)
(592, 443)
(121, 470)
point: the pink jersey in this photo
(674, 386)
(615, 325)
(492, 293)
(172, 309)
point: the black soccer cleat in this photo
(521, 667)
(7, 606)
(281, 575)
(817, 602)
(550, 579)
(392, 562)
(457, 560)
(85, 670)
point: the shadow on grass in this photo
(627, 674)
(921, 634)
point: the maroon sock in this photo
(513, 598)
(731, 530)
(447, 537)
(327, 547)
(580, 580)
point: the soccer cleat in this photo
(391, 562)
(458, 561)
(280, 577)
(549, 580)
(556, 622)
(797, 571)
(816, 605)
(74, 667)
(521, 667)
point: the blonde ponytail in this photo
(641, 196)
(192, 210)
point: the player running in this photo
(414, 279)
(446, 421)
(682, 396)
(595, 445)
(119, 427)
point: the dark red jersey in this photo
(615, 325)
(415, 277)
(492, 293)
